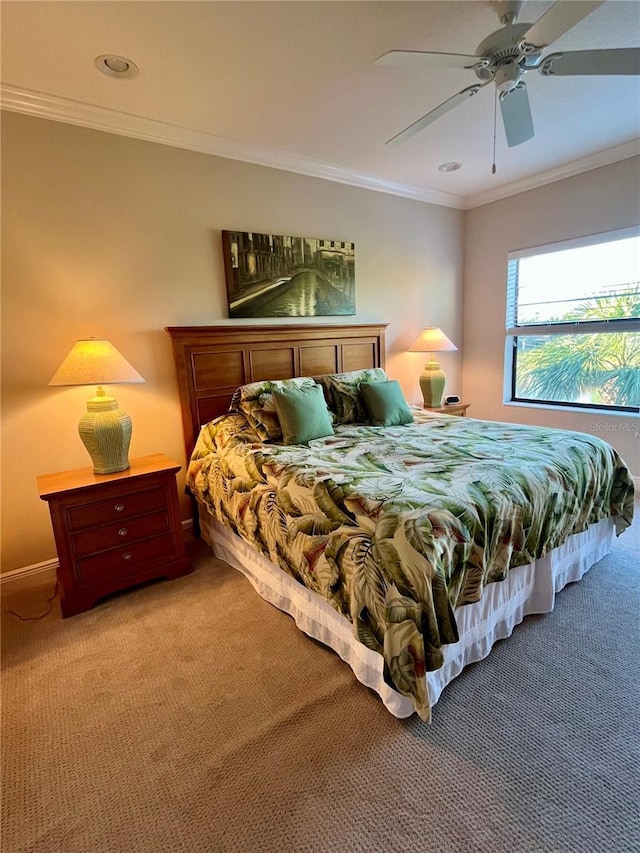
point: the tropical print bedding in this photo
(396, 527)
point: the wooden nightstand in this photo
(113, 531)
(459, 409)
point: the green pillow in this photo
(385, 403)
(303, 413)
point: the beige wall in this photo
(112, 237)
(601, 200)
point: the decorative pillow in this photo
(263, 417)
(253, 390)
(343, 392)
(303, 413)
(254, 400)
(385, 403)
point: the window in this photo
(573, 323)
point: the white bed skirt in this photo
(527, 589)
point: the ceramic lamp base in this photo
(106, 433)
(432, 381)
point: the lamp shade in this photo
(94, 362)
(432, 339)
(432, 379)
(104, 429)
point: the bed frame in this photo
(212, 361)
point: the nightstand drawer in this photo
(116, 509)
(119, 534)
(121, 562)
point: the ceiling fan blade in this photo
(516, 115)
(621, 60)
(560, 18)
(428, 59)
(435, 114)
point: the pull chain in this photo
(495, 117)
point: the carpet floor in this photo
(192, 716)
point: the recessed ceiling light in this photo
(449, 167)
(117, 67)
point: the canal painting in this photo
(269, 275)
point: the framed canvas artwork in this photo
(271, 275)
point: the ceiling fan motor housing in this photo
(507, 57)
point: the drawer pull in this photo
(127, 556)
(119, 507)
(123, 531)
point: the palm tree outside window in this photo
(573, 323)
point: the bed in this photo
(410, 545)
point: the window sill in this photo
(609, 413)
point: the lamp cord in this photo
(49, 601)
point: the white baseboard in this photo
(26, 577)
(39, 574)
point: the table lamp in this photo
(104, 429)
(432, 379)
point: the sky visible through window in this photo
(554, 284)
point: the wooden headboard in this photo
(212, 361)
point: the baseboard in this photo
(39, 574)
(28, 577)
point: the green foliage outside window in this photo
(594, 368)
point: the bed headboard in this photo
(212, 361)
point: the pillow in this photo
(303, 413)
(253, 390)
(343, 392)
(254, 400)
(263, 417)
(385, 403)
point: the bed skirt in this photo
(526, 590)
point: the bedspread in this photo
(396, 527)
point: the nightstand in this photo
(114, 531)
(458, 409)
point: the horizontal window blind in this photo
(576, 285)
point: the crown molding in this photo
(568, 170)
(44, 105)
(69, 111)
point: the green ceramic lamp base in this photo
(106, 433)
(432, 381)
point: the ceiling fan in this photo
(505, 56)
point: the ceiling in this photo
(293, 85)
